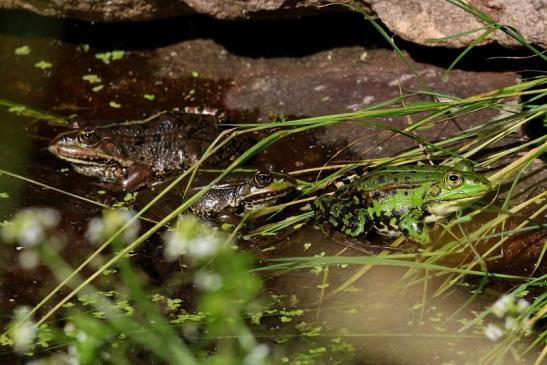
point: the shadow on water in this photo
(290, 37)
(271, 38)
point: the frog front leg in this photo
(135, 176)
(413, 227)
(227, 218)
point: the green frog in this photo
(399, 200)
(237, 193)
(129, 155)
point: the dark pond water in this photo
(201, 62)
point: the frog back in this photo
(377, 200)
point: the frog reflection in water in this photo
(226, 201)
(129, 155)
(399, 200)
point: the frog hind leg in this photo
(355, 222)
(206, 110)
(413, 227)
(324, 212)
(345, 215)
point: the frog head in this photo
(456, 188)
(264, 189)
(87, 150)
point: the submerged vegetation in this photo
(214, 310)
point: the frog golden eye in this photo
(453, 179)
(88, 136)
(263, 178)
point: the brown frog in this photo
(129, 155)
(239, 192)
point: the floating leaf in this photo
(22, 51)
(91, 78)
(43, 65)
(117, 55)
(105, 57)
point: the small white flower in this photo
(522, 305)
(257, 355)
(70, 358)
(73, 357)
(191, 237)
(175, 245)
(69, 329)
(100, 229)
(81, 336)
(207, 281)
(493, 332)
(510, 323)
(502, 305)
(24, 332)
(131, 232)
(204, 246)
(29, 259)
(29, 227)
(95, 230)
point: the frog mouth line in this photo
(76, 161)
(460, 201)
(445, 208)
(264, 199)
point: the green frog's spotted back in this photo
(399, 200)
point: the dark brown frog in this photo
(129, 155)
(240, 192)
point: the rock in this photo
(136, 10)
(418, 21)
(330, 82)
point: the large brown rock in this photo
(422, 20)
(134, 10)
(329, 82)
(418, 21)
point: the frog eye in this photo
(88, 136)
(263, 178)
(453, 179)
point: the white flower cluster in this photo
(509, 308)
(24, 331)
(100, 229)
(192, 238)
(30, 226)
(207, 280)
(71, 357)
(258, 355)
